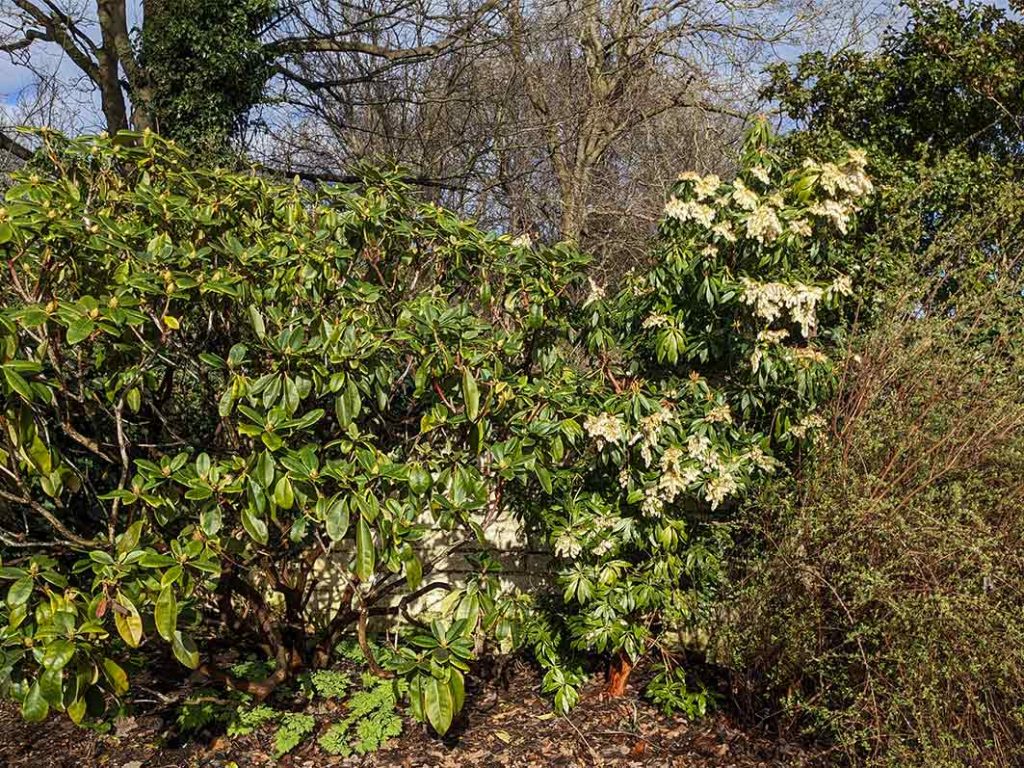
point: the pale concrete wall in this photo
(522, 566)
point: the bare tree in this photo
(373, 38)
(567, 119)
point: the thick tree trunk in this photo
(116, 56)
(109, 71)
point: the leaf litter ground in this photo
(510, 726)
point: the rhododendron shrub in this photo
(246, 411)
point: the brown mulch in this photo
(512, 727)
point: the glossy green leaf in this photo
(58, 653)
(165, 613)
(35, 707)
(337, 519)
(79, 330)
(254, 525)
(470, 394)
(365, 554)
(257, 322)
(19, 592)
(438, 704)
(185, 650)
(116, 677)
(128, 620)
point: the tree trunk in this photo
(109, 13)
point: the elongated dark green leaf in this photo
(18, 383)
(165, 613)
(458, 689)
(365, 554)
(470, 394)
(185, 650)
(34, 708)
(257, 322)
(51, 685)
(265, 469)
(337, 519)
(545, 478)
(413, 572)
(348, 404)
(438, 705)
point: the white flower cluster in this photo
(720, 414)
(721, 480)
(655, 321)
(650, 430)
(760, 459)
(680, 469)
(689, 210)
(768, 336)
(809, 355)
(842, 285)
(723, 230)
(849, 179)
(765, 216)
(770, 299)
(765, 339)
(763, 224)
(719, 488)
(675, 478)
(807, 424)
(703, 186)
(744, 196)
(605, 428)
(567, 546)
(799, 300)
(760, 173)
(603, 547)
(837, 212)
(597, 293)
(801, 227)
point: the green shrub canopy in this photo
(221, 393)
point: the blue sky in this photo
(16, 82)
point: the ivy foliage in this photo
(227, 396)
(206, 68)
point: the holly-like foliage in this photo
(951, 80)
(239, 409)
